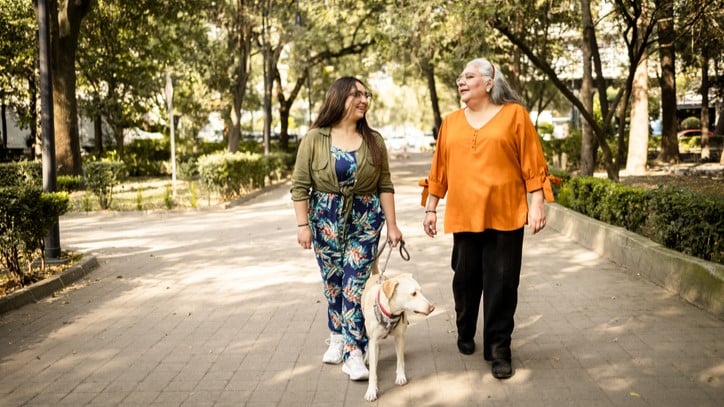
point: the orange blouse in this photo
(486, 172)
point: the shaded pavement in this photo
(220, 307)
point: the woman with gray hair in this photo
(487, 159)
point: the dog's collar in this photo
(386, 313)
(384, 317)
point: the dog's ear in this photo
(388, 288)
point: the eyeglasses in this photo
(359, 94)
(466, 78)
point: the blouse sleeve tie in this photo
(425, 192)
(548, 189)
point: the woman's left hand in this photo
(536, 213)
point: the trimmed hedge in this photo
(685, 221)
(232, 174)
(26, 216)
(21, 173)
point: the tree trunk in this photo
(705, 152)
(118, 135)
(65, 20)
(238, 95)
(4, 129)
(429, 72)
(240, 32)
(98, 134)
(667, 81)
(33, 141)
(268, 87)
(587, 138)
(638, 137)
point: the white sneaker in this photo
(355, 366)
(335, 352)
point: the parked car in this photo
(690, 144)
(692, 133)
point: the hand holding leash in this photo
(403, 253)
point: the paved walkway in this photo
(222, 308)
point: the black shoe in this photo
(502, 369)
(487, 355)
(466, 347)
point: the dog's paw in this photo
(371, 394)
(401, 379)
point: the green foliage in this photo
(168, 197)
(18, 58)
(139, 198)
(100, 177)
(26, 216)
(692, 223)
(194, 198)
(570, 146)
(688, 222)
(21, 173)
(231, 174)
(690, 123)
(545, 128)
(147, 157)
(69, 183)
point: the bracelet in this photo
(430, 211)
(303, 224)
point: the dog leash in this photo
(403, 253)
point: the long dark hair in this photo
(333, 110)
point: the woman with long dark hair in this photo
(343, 195)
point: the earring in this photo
(488, 90)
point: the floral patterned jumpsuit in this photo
(345, 246)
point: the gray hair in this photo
(501, 92)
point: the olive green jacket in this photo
(315, 168)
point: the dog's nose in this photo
(431, 308)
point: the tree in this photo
(311, 42)
(234, 24)
(65, 23)
(638, 136)
(18, 59)
(667, 80)
(626, 14)
(700, 40)
(126, 50)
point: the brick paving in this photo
(219, 307)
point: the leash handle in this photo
(403, 250)
(403, 253)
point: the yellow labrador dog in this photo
(385, 304)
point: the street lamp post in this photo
(51, 250)
(169, 101)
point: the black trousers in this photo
(487, 264)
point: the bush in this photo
(689, 222)
(692, 223)
(231, 174)
(21, 173)
(100, 177)
(69, 183)
(146, 157)
(26, 216)
(691, 122)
